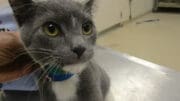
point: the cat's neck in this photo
(66, 90)
(75, 68)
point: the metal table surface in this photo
(134, 79)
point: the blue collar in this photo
(57, 74)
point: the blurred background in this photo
(147, 29)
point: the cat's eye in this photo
(87, 28)
(51, 29)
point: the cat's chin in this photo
(76, 61)
(75, 68)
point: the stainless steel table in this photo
(134, 79)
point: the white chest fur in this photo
(66, 90)
(75, 68)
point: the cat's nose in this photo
(79, 50)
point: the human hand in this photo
(14, 60)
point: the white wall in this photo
(111, 12)
(125, 10)
(107, 13)
(140, 7)
(3, 2)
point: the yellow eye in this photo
(51, 29)
(87, 28)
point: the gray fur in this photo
(93, 86)
(69, 16)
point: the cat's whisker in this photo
(56, 67)
(46, 70)
(48, 58)
(44, 80)
(37, 51)
(42, 49)
(19, 55)
(30, 66)
(33, 52)
(45, 50)
(36, 63)
(34, 49)
(21, 49)
(52, 64)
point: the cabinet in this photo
(107, 14)
(112, 12)
(124, 10)
(140, 7)
(168, 3)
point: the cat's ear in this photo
(23, 10)
(89, 5)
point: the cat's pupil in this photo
(51, 28)
(87, 27)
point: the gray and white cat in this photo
(62, 33)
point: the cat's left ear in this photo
(23, 10)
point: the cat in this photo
(61, 35)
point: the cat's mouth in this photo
(75, 68)
(70, 62)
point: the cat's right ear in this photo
(23, 10)
(89, 6)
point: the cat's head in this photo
(59, 32)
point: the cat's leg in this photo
(90, 94)
(94, 84)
